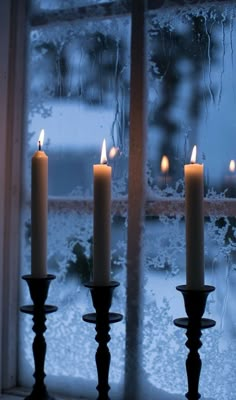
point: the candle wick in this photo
(39, 145)
(105, 162)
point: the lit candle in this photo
(102, 220)
(194, 192)
(39, 211)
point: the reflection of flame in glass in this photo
(103, 159)
(232, 166)
(165, 164)
(41, 138)
(194, 155)
(113, 152)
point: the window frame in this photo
(13, 24)
(12, 67)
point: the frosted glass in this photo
(191, 101)
(192, 93)
(71, 342)
(46, 5)
(78, 91)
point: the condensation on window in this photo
(78, 85)
(78, 91)
(191, 101)
(192, 94)
(59, 5)
(71, 345)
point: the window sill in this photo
(9, 397)
(19, 393)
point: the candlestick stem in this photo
(195, 302)
(38, 288)
(102, 299)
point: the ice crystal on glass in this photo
(78, 90)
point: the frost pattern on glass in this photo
(165, 354)
(80, 91)
(49, 5)
(191, 101)
(71, 341)
(80, 95)
(192, 93)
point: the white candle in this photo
(39, 211)
(102, 220)
(194, 192)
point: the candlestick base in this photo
(195, 303)
(38, 288)
(102, 300)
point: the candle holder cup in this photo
(195, 303)
(38, 288)
(102, 300)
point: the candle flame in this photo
(103, 159)
(194, 155)
(165, 164)
(41, 138)
(113, 152)
(232, 166)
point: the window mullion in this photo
(136, 192)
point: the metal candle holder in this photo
(195, 303)
(102, 300)
(38, 288)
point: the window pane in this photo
(192, 93)
(191, 101)
(78, 91)
(78, 84)
(59, 5)
(71, 346)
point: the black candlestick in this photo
(102, 299)
(38, 288)
(195, 303)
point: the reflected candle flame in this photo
(232, 166)
(194, 155)
(165, 164)
(103, 159)
(114, 152)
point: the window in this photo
(78, 81)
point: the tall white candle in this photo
(102, 220)
(39, 211)
(194, 192)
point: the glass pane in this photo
(58, 5)
(71, 346)
(78, 91)
(192, 93)
(191, 101)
